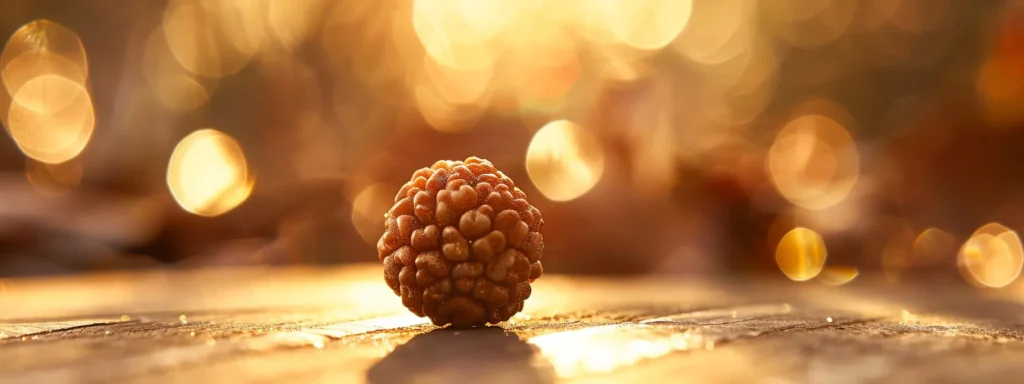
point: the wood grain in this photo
(344, 325)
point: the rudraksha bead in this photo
(462, 244)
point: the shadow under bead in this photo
(462, 244)
(481, 355)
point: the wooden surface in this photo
(343, 325)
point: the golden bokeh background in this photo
(719, 137)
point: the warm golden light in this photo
(211, 38)
(42, 47)
(542, 63)
(564, 161)
(814, 162)
(489, 17)
(442, 114)
(808, 23)
(801, 254)
(368, 209)
(51, 118)
(292, 20)
(207, 173)
(932, 245)
(605, 348)
(173, 86)
(650, 24)
(992, 257)
(449, 37)
(837, 275)
(716, 31)
(457, 86)
(243, 22)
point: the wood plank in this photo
(344, 325)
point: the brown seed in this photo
(402, 192)
(423, 207)
(465, 284)
(520, 270)
(412, 298)
(505, 220)
(454, 246)
(406, 224)
(437, 181)
(489, 293)
(412, 192)
(424, 214)
(402, 207)
(482, 191)
(441, 164)
(523, 291)
(424, 198)
(499, 266)
(516, 235)
(383, 249)
(506, 197)
(446, 214)
(462, 172)
(520, 205)
(501, 188)
(507, 181)
(422, 172)
(486, 247)
(437, 291)
(464, 311)
(391, 270)
(454, 183)
(518, 193)
(533, 246)
(432, 262)
(407, 276)
(486, 210)
(460, 244)
(536, 269)
(419, 182)
(405, 255)
(464, 198)
(495, 315)
(392, 237)
(536, 221)
(508, 223)
(423, 278)
(468, 269)
(426, 238)
(494, 200)
(489, 178)
(473, 225)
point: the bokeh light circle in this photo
(801, 254)
(564, 161)
(814, 162)
(42, 47)
(208, 174)
(367, 211)
(51, 118)
(992, 257)
(647, 25)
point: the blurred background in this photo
(802, 139)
